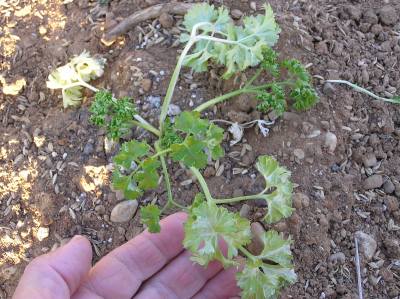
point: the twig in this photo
(145, 14)
(358, 269)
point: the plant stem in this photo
(246, 253)
(202, 182)
(363, 90)
(172, 83)
(224, 97)
(161, 153)
(145, 125)
(239, 198)
(252, 79)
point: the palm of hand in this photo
(149, 266)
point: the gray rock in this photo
(388, 187)
(173, 110)
(373, 182)
(166, 20)
(370, 17)
(337, 259)
(299, 153)
(88, 148)
(124, 211)
(154, 101)
(388, 15)
(330, 141)
(236, 14)
(369, 160)
(256, 246)
(300, 200)
(245, 211)
(367, 244)
(329, 89)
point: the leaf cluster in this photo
(115, 115)
(71, 77)
(236, 47)
(297, 86)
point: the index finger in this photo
(120, 273)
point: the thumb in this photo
(57, 274)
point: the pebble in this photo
(154, 101)
(147, 84)
(393, 247)
(166, 20)
(330, 141)
(392, 203)
(388, 15)
(373, 182)
(370, 17)
(388, 187)
(329, 89)
(174, 110)
(42, 233)
(124, 211)
(88, 148)
(236, 14)
(301, 200)
(369, 160)
(367, 244)
(299, 153)
(337, 259)
(245, 211)
(100, 209)
(256, 246)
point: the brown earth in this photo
(54, 173)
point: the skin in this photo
(148, 266)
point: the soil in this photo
(55, 166)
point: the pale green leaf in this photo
(190, 152)
(276, 249)
(209, 224)
(150, 216)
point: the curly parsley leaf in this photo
(209, 224)
(170, 135)
(277, 178)
(150, 216)
(273, 100)
(236, 47)
(112, 114)
(190, 152)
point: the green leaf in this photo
(112, 114)
(126, 184)
(276, 249)
(150, 216)
(304, 96)
(276, 177)
(214, 137)
(263, 281)
(273, 100)
(190, 152)
(244, 44)
(130, 153)
(147, 177)
(209, 224)
(170, 136)
(191, 123)
(296, 69)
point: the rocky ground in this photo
(344, 154)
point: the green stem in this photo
(239, 198)
(224, 97)
(363, 90)
(161, 153)
(254, 78)
(172, 83)
(147, 127)
(247, 253)
(202, 182)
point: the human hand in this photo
(150, 266)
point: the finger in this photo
(180, 279)
(222, 286)
(57, 274)
(120, 274)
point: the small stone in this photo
(354, 12)
(173, 110)
(386, 274)
(299, 153)
(392, 204)
(42, 233)
(236, 14)
(124, 211)
(369, 160)
(245, 211)
(370, 17)
(373, 182)
(88, 148)
(166, 20)
(256, 246)
(100, 209)
(388, 15)
(147, 84)
(238, 117)
(337, 259)
(154, 101)
(209, 172)
(298, 199)
(330, 142)
(393, 248)
(329, 89)
(367, 244)
(388, 187)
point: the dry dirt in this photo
(54, 169)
